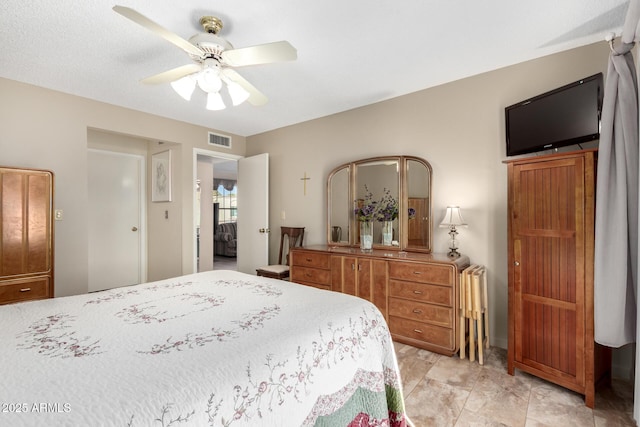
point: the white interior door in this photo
(116, 187)
(253, 213)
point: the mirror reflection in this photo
(418, 204)
(339, 204)
(378, 185)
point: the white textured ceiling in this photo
(350, 53)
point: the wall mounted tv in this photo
(564, 116)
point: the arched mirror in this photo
(418, 193)
(400, 189)
(339, 205)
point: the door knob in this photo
(134, 228)
(264, 230)
(517, 263)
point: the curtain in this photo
(616, 247)
(227, 184)
(617, 193)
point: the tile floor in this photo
(446, 391)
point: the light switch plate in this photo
(58, 214)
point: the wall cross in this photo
(304, 180)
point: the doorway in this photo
(215, 204)
(252, 210)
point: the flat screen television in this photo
(564, 116)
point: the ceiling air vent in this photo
(219, 140)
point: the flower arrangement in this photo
(412, 213)
(387, 207)
(365, 208)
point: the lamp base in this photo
(453, 253)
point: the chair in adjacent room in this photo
(289, 237)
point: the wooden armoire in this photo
(551, 204)
(26, 232)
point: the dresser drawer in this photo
(421, 312)
(428, 334)
(24, 289)
(424, 273)
(310, 259)
(442, 295)
(311, 275)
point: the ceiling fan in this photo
(213, 61)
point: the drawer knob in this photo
(308, 259)
(418, 331)
(417, 311)
(417, 292)
(417, 272)
(25, 290)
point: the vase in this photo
(336, 233)
(366, 235)
(387, 232)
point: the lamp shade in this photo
(452, 217)
(214, 101)
(237, 93)
(184, 86)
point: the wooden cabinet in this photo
(310, 268)
(26, 227)
(417, 293)
(362, 277)
(551, 243)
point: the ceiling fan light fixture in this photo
(215, 102)
(237, 93)
(209, 80)
(184, 86)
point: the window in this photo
(227, 203)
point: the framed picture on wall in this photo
(161, 177)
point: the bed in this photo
(210, 349)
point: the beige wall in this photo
(457, 127)
(45, 129)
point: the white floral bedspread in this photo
(210, 349)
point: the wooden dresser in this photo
(417, 293)
(26, 230)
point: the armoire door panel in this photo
(38, 223)
(548, 268)
(548, 195)
(552, 339)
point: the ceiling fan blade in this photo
(260, 54)
(158, 29)
(172, 75)
(256, 98)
